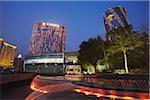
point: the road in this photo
(56, 88)
(59, 88)
(22, 90)
(66, 95)
(17, 91)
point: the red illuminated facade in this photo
(47, 38)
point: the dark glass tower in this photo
(115, 18)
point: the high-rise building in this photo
(47, 38)
(115, 18)
(7, 54)
(46, 50)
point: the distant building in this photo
(47, 38)
(73, 69)
(18, 63)
(71, 63)
(7, 54)
(115, 18)
(71, 57)
(46, 50)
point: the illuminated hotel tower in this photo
(115, 18)
(7, 54)
(47, 38)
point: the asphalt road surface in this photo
(67, 95)
(20, 91)
(16, 91)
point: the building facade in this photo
(7, 54)
(46, 50)
(18, 63)
(115, 18)
(47, 38)
(71, 57)
(73, 69)
(71, 63)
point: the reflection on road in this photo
(42, 85)
(47, 85)
(113, 94)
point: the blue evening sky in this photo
(82, 19)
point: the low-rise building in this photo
(71, 57)
(71, 63)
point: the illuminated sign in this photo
(50, 24)
(110, 17)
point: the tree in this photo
(90, 69)
(143, 51)
(145, 28)
(123, 40)
(106, 61)
(90, 51)
(115, 61)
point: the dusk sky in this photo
(82, 19)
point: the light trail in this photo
(112, 94)
(35, 88)
(42, 85)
